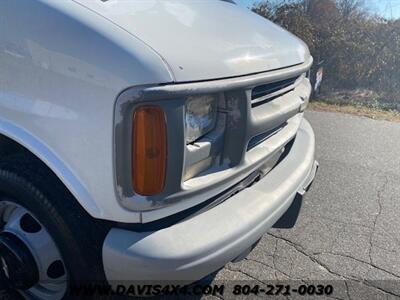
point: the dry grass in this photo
(393, 116)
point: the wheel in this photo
(47, 241)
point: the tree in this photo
(359, 50)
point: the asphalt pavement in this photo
(348, 232)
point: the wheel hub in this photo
(18, 268)
(30, 262)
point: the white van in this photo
(144, 140)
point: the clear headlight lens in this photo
(201, 116)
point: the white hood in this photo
(204, 39)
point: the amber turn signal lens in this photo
(149, 150)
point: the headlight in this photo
(201, 116)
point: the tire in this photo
(27, 182)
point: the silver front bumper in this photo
(196, 247)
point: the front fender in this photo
(62, 68)
(40, 150)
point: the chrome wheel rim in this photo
(24, 237)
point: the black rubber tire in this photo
(79, 237)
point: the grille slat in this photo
(258, 139)
(261, 92)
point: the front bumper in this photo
(198, 246)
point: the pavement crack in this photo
(301, 250)
(275, 270)
(379, 201)
(245, 273)
(347, 290)
(379, 289)
(366, 283)
(260, 262)
(274, 258)
(358, 260)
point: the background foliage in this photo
(360, 52)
